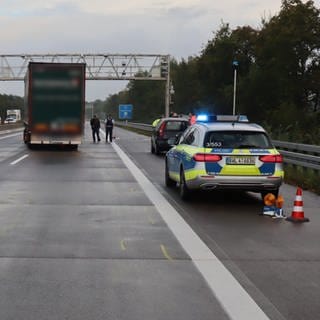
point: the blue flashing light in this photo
(206, 118)
(202, 117)
(243, 118)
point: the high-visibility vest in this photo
(155, 122)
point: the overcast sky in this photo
(180, 28)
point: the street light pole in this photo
(171, 92)
(235, 65)
(167, 100)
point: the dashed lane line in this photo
(123, 245)
(10, 135)
(165, 253)
(18, 160)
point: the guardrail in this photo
(302, 155)
(4, 128)
(298, 154)
(136, 125)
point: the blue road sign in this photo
(235, 63)
(125, 111)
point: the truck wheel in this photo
(26, 137)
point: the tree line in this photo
(278, 76)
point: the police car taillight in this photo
(206, 157)
(272, 158)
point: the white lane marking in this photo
(10, 135)
(18, 160)
(103, 132)
(236, 302)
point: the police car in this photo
(224, 152)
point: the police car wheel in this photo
(184, 191)
(169, 182)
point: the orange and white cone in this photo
(297, 214)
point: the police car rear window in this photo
(237, 140)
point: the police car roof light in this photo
(206, 118)
(202, 117)
(232, 118)
(243, 118)
(221, 118)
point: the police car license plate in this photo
(240, 160)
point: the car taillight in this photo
(206, 157)
(161, 129)
(273, 158)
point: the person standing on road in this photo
(156, 121)
(192, 118)
(95, 126)
(109, 127)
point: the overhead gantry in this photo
(99, 66)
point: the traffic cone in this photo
(297, 214)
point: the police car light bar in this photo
(243, 118)
(221, 118)
(206, 118)
(231, 118)
(202, 118)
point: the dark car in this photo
(165, 132)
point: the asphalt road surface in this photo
(83, 236)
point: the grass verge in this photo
(305, 178)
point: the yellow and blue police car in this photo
(224, 152)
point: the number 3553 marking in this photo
(214, 144)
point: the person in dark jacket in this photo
(109, 127)
(95, 126)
